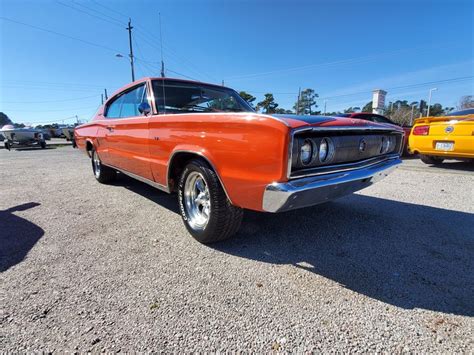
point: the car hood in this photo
(296, 121)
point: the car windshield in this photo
(182, 97)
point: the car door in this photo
(126, 137)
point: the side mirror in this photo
(144, 108)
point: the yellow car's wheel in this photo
(431, 160)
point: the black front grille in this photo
(348, 148)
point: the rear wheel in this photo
(206, 211)
(431, 160)
(102, 173)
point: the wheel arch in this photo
(89, 147)
(178, 160)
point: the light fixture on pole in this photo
(429, 101)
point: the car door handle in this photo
(110, 128)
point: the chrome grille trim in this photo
(343, 166)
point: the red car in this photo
(373, 117)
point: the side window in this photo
(131, 101)
(113, 110)
(126, 105)
(379, 119)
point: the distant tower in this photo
(378, 101)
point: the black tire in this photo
(431, 160)
(7, 146)
(224, 219)
(43, 144)
(102, 173)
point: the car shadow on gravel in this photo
(168, 201)
(17, 236)
(454, 165)
(406, 255)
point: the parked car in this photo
(22, 137)
(69, 134)
(207, 144)
(373, 117)
(445, 137)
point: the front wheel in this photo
(206, 211)
(102, 173)
(431, 160)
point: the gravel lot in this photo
(89, 267)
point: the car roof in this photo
(468, 111)
(146, 78)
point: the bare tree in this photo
(466, 102)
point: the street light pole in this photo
(325, 102)
(412, 114)
(429, 101)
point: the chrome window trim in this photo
(295, 131)
(116, 97)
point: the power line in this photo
(185, 76)
(118, 22)
(54, 121)
(49, 101)
(337, 62)
(48, 83)
(145, 33)
(62, 35)
(410, 86)
(109, 9)
(86, 12)
(67, 109)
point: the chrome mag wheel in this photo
(197, 201)
(96, 163)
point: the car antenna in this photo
(161, 48)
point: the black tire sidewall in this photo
(199, 234)
(205, 235)
(93, 153)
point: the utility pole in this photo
(325, 102)
(77, 119)
(106, 97)
(129, 28)
(161, 48)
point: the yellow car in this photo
(446, 137)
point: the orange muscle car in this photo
(207, 144)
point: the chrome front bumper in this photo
(304, 192)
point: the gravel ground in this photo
(90, 267)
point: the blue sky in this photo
(341, 49)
